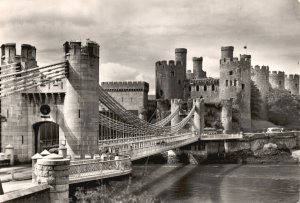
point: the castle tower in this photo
(260, 77)
(197, 68)
(170, 80)
(180, 55)
(235, 83)
(277, 79)
(81, 100)
(227, 52)
(292, 84)
(15, 129)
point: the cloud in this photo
(134, 34)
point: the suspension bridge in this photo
(88, 131)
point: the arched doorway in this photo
(46, 136)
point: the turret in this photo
(28, 52)
(197, 68)
(227, 52)
(8, 53)
(81, 113)
(180, 55)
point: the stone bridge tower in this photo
(81, 109)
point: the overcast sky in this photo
(134, 34)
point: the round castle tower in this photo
(260, 77)
(235, 83)
(197, 68)
(277, 79)
(82, 103)
(292, 84)
(170, 77)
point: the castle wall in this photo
(277, 79)
(170, 80)
(292, 84)
(132, 95)
(260, 77)
(208, 89)
(235, 83)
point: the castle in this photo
(232, 88)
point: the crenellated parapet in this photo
(125, 86)
(27, 56)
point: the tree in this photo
(255, 102)
(283, 108)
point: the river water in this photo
(228, 183)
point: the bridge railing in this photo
(157, 147)
(220, 136)
(93, 167)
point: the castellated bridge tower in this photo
(81, 107)
(235, 83)
(15, 127)
(170, 77)
(197, 68)
(277, 79)
(260, 77)
(292, 84)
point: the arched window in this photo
(190, 88)
(226, 83)
(230, 82)
(172, 73)
(234, 83)
(213, 87)
(205, 88)
(179, 82)
(197, 88)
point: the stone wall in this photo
(36, 194)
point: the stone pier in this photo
(198, 122)
(54, 171)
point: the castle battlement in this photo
(8, 50)
(262, 69)
(164, 63)
(76, 48)
(126, 85)
(292, 77)
(277, 73)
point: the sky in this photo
(134, 34)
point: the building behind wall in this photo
(132, 95)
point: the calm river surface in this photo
(220, 183)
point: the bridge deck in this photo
(97, 175)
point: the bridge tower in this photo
(198, 122)
(14, 130)
(226, 115)
(174, 105)
(81, 107)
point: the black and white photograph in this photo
(149, 101)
